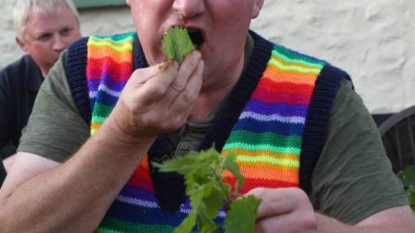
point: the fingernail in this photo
(196, 54)
(176, 64)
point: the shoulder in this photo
(316, 80)
(292, 59)
(83, 42)
(77, 53)
(24, 61)
(18, 67)
(20, 73)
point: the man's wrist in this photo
(112, 128)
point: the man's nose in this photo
(189, 8)
(59, 43)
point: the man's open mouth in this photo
(196, 36)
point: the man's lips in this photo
(195, 33)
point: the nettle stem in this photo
(219, 178)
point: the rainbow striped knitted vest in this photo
(275, 121)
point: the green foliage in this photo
(205, 186)
(410, 192)
(177, 43)
(407, 177)
(244, 208)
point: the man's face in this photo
(220, 25)
(47, 35)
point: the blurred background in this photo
(372, 40)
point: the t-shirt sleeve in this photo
(353, 178)
(55, 129)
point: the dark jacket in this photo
(2, 172)
(19, 85)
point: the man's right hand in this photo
(159, 99)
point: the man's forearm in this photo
(74, 196)
(330, 225)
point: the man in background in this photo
(44, 28)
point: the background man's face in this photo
(47, 35)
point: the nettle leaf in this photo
(407, 176)
(187, 224)
(410, 192)
(229, 163)
(177, 43)
(207, 191)
(242, 215)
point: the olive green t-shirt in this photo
(353, 178)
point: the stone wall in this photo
(372, 40)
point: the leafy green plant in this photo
(205, 186)
(407, 177)
(177, 43)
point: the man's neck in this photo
(212, 96)
(220, 86)
(43, 71)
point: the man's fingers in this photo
(144, 74)
(187, 97)
(187, 84)
(287, 223)
(186, 70)
(195, 82)
(277, 224)
(154, 82)
(284, 210)
(160, 97)
(275, 201)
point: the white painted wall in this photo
(372, 40)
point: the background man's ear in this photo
(128, 2)
(257, 8)
(21, 44)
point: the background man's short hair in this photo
(22, 8)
